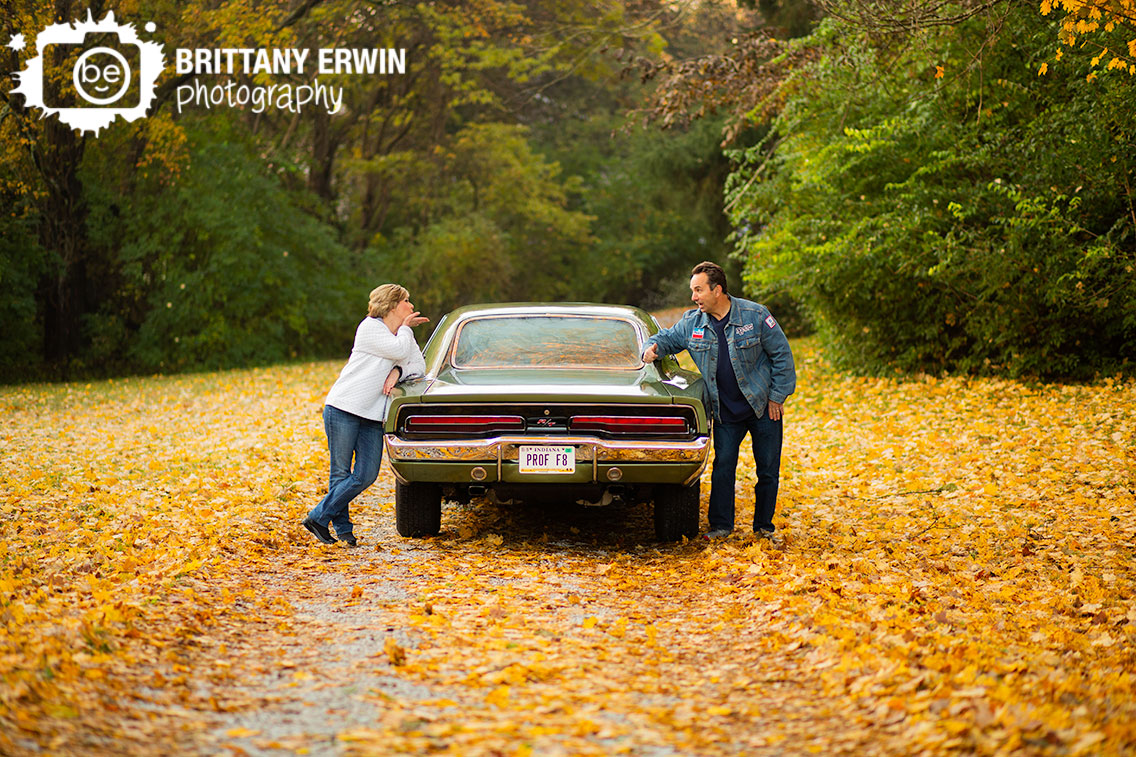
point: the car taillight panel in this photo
(629, 424)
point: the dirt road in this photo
(563, 633)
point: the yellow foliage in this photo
(1084, 18)
(119, 523)
(395, 653)
(167, 148)
(955, 577)
(499, 697)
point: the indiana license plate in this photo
(547, 459)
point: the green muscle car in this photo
(535, 402)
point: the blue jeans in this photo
(766, 437)
(348, 435)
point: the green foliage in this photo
(223, 269)
(794, 17)
(982, 222)
(598, 214)
(656, 198)
(22, 263)
(498, 227)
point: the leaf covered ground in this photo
(956, 576)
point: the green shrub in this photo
(22, 263)
(979, 227)
(223, 269)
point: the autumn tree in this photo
(46, 156)
(103, 228)
(495, 203)
(42, 167)
(75, 260)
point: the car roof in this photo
(549, 308)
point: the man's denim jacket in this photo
(759, 352)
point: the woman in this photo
(357, 404)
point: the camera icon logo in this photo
(102, 68)
(89, 73)
(100, 71)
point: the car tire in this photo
(417, 509)
(676, 511)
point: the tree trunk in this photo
(324, 145)
(63, 233)
(63, 230)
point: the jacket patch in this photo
(744, 329)
(698, 333)
(770, 322)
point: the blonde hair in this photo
(385, 298)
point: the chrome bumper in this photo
(502, 449)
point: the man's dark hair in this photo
(715, 276)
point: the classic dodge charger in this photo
(539, 402)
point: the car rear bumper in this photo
(496, 460)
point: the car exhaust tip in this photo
(610, 495)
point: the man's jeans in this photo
(347, 435)
(766, 437)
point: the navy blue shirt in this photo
(732, 404)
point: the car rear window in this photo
(547, 342)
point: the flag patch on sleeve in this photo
(770, 322)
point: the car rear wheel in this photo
(417, 509)
(676, 511)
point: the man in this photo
(745, 360)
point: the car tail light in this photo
(463, 424)
(629, 424)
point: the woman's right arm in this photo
(374, 338)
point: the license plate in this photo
(547, 459)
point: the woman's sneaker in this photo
(320, 532)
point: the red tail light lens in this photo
(463, 424)
(631, 424)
